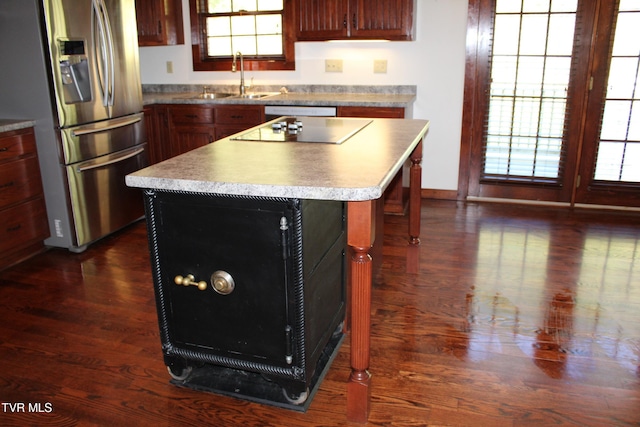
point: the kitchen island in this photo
(356, 171)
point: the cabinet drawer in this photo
(191, 115)
(23, 225)
(17, 143)
(248, 115)
(378, 112)
(20, 180)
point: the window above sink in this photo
(263, 30)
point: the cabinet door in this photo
(322, 19)
(191, 127)
(149, 17)
(155, 120)
(358, 19)
(159, 22)
(22, 226)
(187, 138)
(385, 19)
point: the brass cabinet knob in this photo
(189, 280)
(222, 282)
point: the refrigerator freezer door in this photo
(85, 142)
(100, 201)
(94, 59)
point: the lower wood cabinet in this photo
(23, 215)
(232, 119)
(177, 128)
(190, 127)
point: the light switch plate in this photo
(333, 65)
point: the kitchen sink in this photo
(256, 95)
(219, 95)
(207, 95)
(212, 95)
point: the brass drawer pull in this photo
(188, 280)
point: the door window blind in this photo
(528, 97)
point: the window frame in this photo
(198, 45)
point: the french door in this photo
(609, 171)
(553, 86)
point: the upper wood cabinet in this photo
(159, 22)
(355, 19)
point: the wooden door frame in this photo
(476, 87)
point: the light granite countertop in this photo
(368, 96)
(7, 125)
(360, 168)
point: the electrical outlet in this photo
(380, 66)
(169, 67)
(333, 65)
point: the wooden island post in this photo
(361, 236)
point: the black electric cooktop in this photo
(327, 130)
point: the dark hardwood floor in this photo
(519, 315)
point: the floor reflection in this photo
(556, 295)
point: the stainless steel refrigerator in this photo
(72, 66)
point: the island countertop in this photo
(358, 169)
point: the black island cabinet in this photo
(250, 292)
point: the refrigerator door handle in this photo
(104, 51)
(113, 125)
(92, 164)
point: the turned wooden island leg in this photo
(361, 226)
(360, 236)
(415, 185)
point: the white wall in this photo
(434, 62)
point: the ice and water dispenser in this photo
(74, 71)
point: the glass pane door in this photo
(619, 143)
(530, 71)
(610, 173)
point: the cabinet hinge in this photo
(284, 237)
(591, 83)
(578, 181)
(288, 336)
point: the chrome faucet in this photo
(233, 70)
